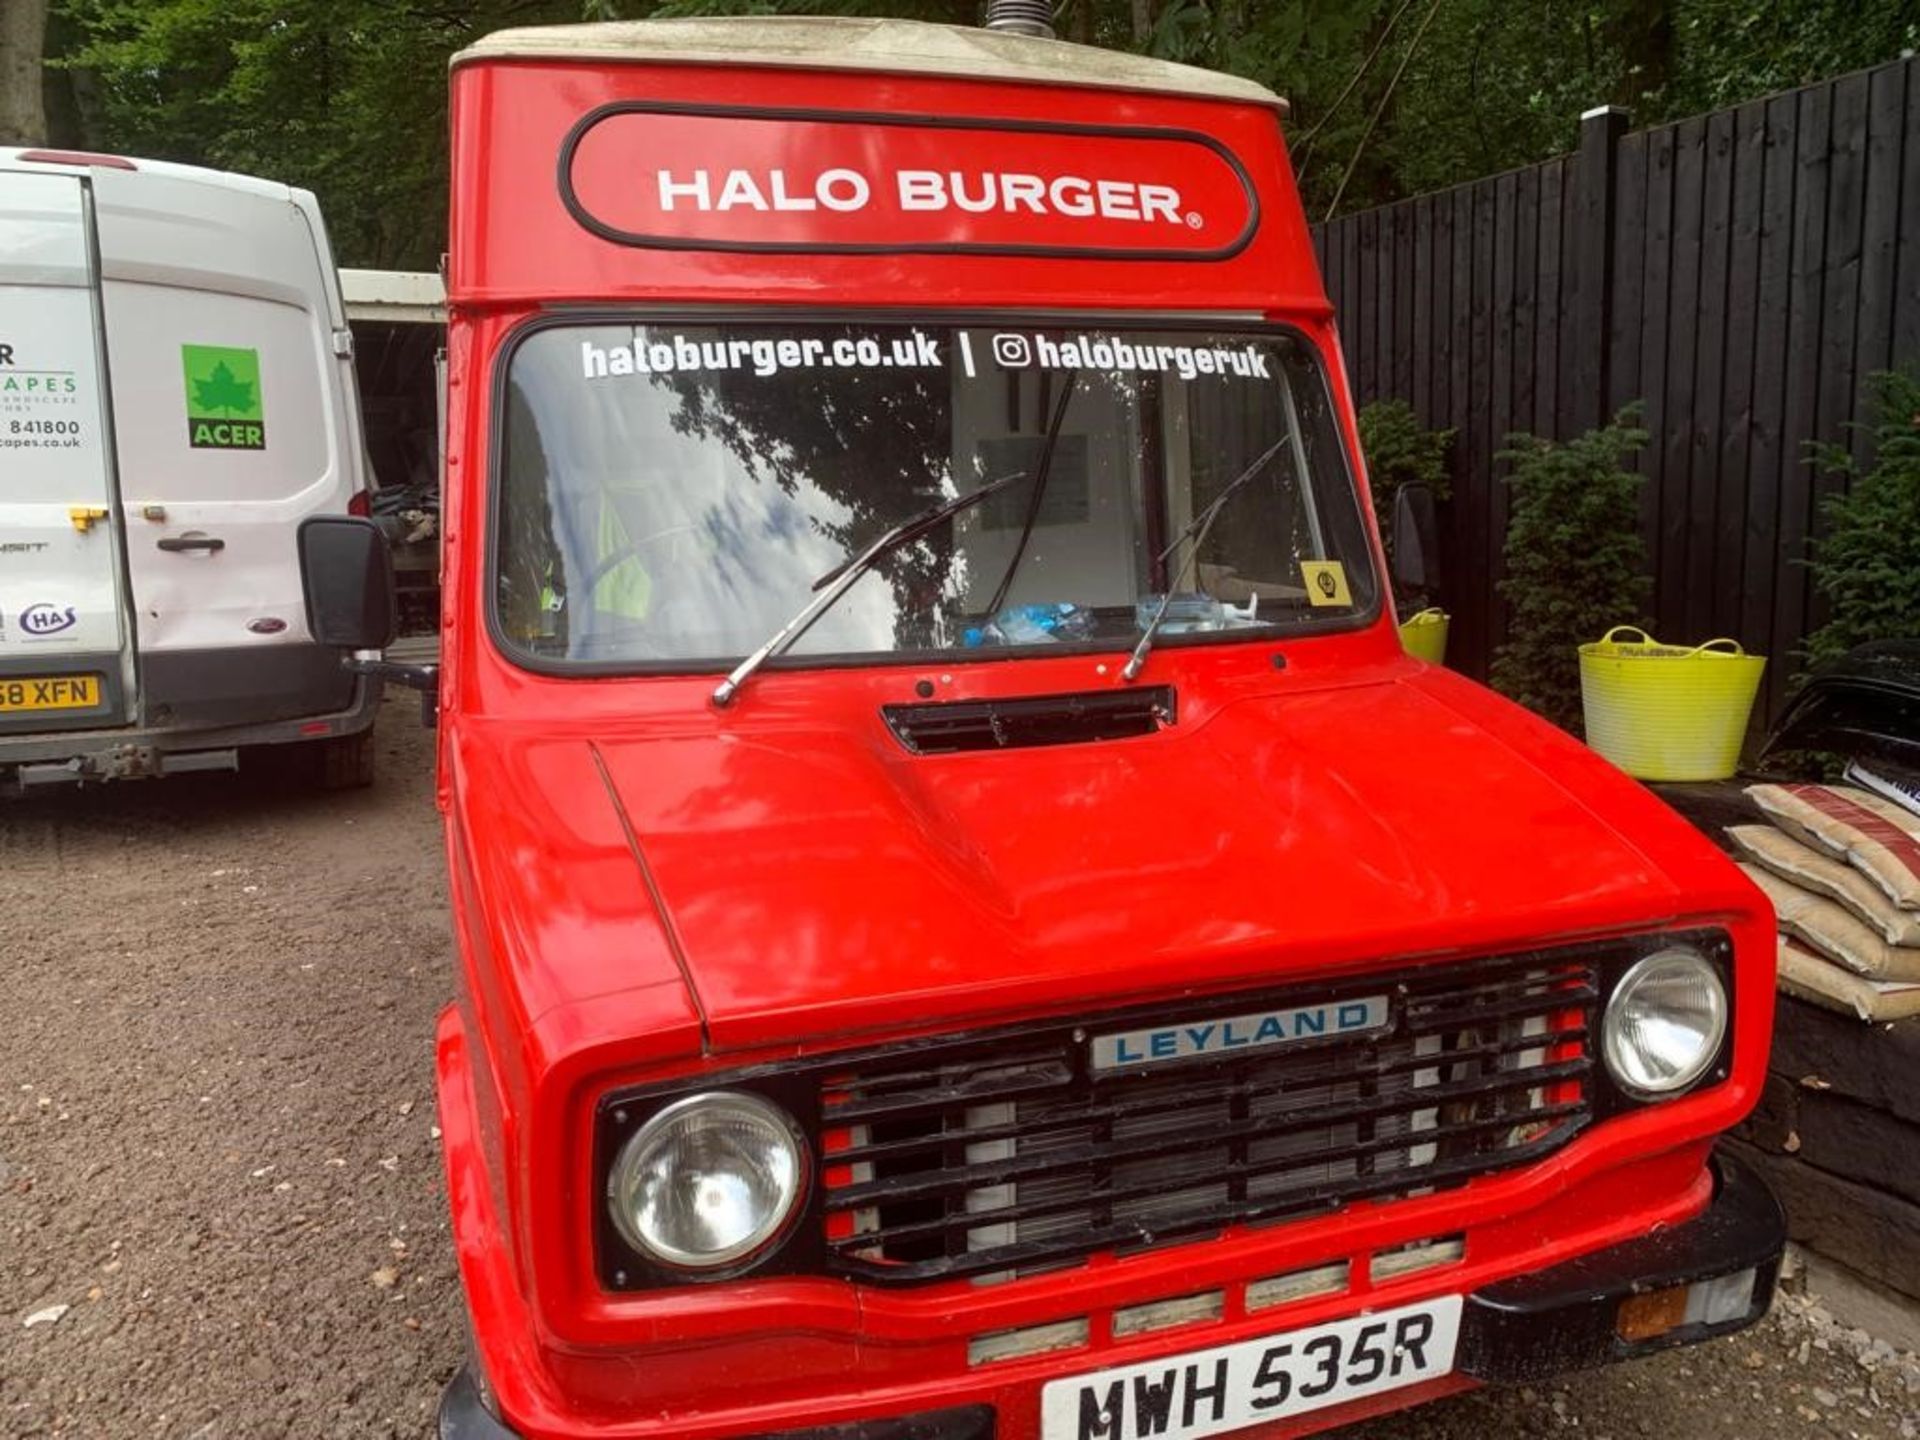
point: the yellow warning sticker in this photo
(1326, 582)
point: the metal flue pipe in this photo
(1022, 17)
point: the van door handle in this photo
(176, 543)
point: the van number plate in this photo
(1210, 1392)
(49, 692)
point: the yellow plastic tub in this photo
(1668, 712)
(1424, 636)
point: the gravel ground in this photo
(216, 1108)
(218, 1164)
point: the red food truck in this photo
(968, 922)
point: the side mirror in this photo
(346, 571)
(1416, 539)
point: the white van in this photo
(176, 395)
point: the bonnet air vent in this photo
(1032, 720)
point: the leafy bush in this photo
(1576, 566)
(1868, 566)
(1399, 450)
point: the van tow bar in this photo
(424, 678)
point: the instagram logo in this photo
(1012, 352)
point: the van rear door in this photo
(220, 297)
(65, 654)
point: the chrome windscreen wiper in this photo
(1202, 523)
(837, 581)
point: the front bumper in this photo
(1519, 1330)
(463, 1417)
(1563, 1318)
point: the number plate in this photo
(1209, 1392)
(49, 692)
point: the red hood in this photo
(822, 882)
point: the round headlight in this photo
(708, 1181)
(1665, 1023)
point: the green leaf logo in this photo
(223, 382)
(221, 391)
(224, 403)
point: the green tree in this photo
(347, 99)
(1576, 566)
(1728, 51)
(1400, 451)
(1868, 565)
(1391, 97)
(1453, 91)
(23, 111)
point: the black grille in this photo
(995, 1159)
(951, 726)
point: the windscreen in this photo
(671, 494)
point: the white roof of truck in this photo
(166, 169)
(197, 229)
(900, 47)
(414, 297)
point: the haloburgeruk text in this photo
(655, 353)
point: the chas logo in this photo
(47, 619)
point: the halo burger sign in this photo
(949, 941)
(857, 182)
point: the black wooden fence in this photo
(1742, 274)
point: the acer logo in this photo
(927, 191)
(686, 177)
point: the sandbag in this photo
(1821, 982)
(1875, 836)
(1834, 931)
(1811, 870)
